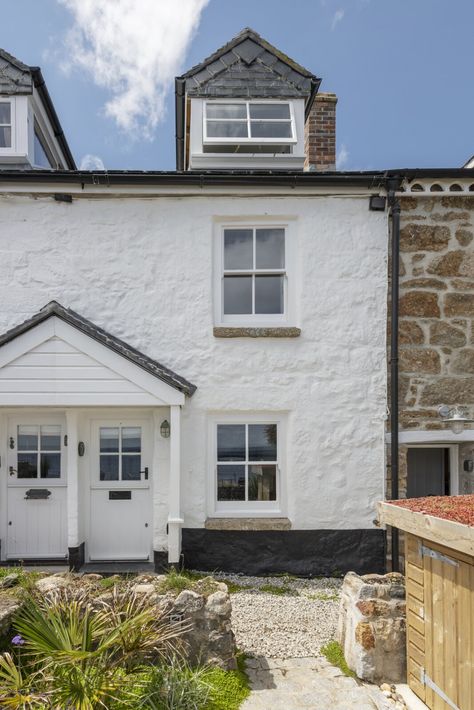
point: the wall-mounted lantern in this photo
(456, 417)
(81, 449)
(165, 429)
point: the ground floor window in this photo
(247, 465)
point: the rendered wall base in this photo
(301, 552)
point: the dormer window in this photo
(5, 124)
(249, 122)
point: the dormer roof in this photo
(250, 67)
(18, 79)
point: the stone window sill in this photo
(271, 332)
(247, 524)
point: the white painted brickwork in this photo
(142, 269)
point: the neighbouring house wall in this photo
(142, 269)
(436, 331)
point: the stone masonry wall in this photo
(436, 341)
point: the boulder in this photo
(52, 583)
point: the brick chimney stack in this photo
(320, 134)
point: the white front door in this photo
(36, 488)
(120, 491)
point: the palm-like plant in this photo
(80, 655)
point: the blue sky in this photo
(402, 70)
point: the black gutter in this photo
(291, 179)
(43, 92)
(393, 186)
(414, 173)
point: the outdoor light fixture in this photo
(165, 429)
(377, 203)
(456, 417)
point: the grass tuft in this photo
(278, 591)
(335, 655)
(229, 689)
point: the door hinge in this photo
(428, 552)
(12, 442)
(426, 680)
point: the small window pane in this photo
(238, 249)
(27, 466)
(50, 438)
(269, 294)
(231, 442)
(270, 249)
(227, 129)
(109, 468)
(41, 157)
(50, 465)
(5, 137)
(131, 439)
(109, 439)
(226, 111)
(231, 483)
(131, 468)
(268, 129)
(5, 112)
(262, 442)
(237, 295)
(262, 482)
(27, 438)
(269, 111)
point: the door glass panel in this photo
(27, 438)
(50, 438)
(131, 468)
(231, 442)
(50, 465)
(131, 439)
(262, 482)
(262, 442)
(109, 439)
(231, 482)
(109, 467)
(27, 466)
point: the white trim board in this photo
(135, 386)
(438, 436)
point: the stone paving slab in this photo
(310, 683)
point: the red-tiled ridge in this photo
(459, 509)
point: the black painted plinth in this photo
(76, 557)
(301, 552)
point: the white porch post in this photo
(175, 520)
(72, 479)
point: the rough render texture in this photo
(143, 270)
(436, 314)
(372, 626)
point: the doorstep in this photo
(109, 568)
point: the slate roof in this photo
(15, 77)
(249, 66)
(110, 341)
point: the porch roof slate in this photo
(110, 341)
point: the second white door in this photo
(120, 491)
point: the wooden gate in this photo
(440, 624)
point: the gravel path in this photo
(293, 624)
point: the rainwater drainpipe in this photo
(393, 184)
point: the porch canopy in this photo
(58, 359)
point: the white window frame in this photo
(256, 319)
(216, 140)
(11, 149)
(248, 509)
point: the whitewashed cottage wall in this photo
(143, 269)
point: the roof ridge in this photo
(13, 60)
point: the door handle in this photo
(12, 471)
(145, 472)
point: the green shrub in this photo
(335, 655)
(228, 688)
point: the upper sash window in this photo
(5, 124)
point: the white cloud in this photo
(337, 17)
(91, 162)
(342, 157)
(133, 49)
